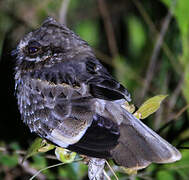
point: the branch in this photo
(21, 152)
(171, 57)
(63, 11)
(112, 170)
(27, 168)
(174, 118)
(153, 29)
(174, 96)
(108, 28)
(156, 50)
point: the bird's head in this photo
(50, 44)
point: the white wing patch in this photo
(58, 138)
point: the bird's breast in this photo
(49, 108)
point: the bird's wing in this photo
(102, 85)
(75, 123)
(139, 145)
(80, 128)
(57, 112)
(101, 137)
(66, 117)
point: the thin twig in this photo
(108, 28)
(181, 112)
(63, 11)
(159, 113)
(55, 165)
(165, 125)
(174, 96)
(106, 175)
(176, 93)
(112, 170)
(22, 152)
(38, 172)
(156, 50)
(27, 168)
(174, 118)
(132, 177)
(19, 152)
(173, 60)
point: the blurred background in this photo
(143, 43)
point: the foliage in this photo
(150, 106)
(39, 145)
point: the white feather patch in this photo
(58, 138)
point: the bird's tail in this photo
(139, 145)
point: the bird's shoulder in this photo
(102, 84)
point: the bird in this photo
(66, 96)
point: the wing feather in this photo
(139, 145)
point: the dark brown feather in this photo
(139, 145)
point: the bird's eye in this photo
(33, 47)
(32, 50)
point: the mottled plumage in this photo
(66, 96)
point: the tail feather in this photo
(139, 145)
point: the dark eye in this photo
(32, 50)
(33, 47)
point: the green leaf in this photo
(39, 145)
(150, 106)
(82, 169)
(129, 171)
(8, 160)
(88, 30)
(165, 175)
(64, 155)
(137, 35)
(46, 146)
(184, 134)
(39, 161)
(185, 87)
(67, 172)
(167, 2)
(180, 10)
(182, 15)
(15, 146)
